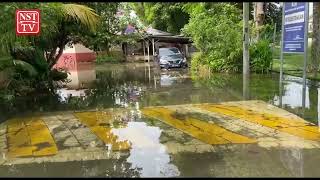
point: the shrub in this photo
(111, 57)
(217, 33)
(196, 60)
(260, 56)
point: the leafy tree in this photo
(216, 30)
(168, 17)
(110, 30)
(273, 14)
(108, 26)
(217, 33)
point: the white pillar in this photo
(153, 47)
(187, 50)
(149, 73)
(246, 70)
(144, 50)
(148, 51)
(246, 38)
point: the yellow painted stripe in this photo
(29, 137)
(41, 140)
(291, 126)
(206, 132)
(19, 144)
(99, 123)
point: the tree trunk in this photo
(107, 48)
(315, 51)
(259, 17)
(55, 59)
(255, 12)
(124, 50)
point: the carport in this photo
(151, 39)
(155, 40)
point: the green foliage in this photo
(58, 75)
(260, 56)
(33, 57)
(167, 16)
(273, 14)
(107, 28)
(194, 8)
(5, 62)
(23, 66)
(197, 60)
(58, 21)
(216, 30)
(217, 33)
(110, 30)
(127, 18)
(111, 57)
(266, 32)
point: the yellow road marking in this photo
(206, 132)
(99, 123)
(29, 137)
(292, 126)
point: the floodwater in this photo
(157, 149)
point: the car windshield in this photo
(169, 51)
(174, 56)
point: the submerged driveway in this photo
(240, 138)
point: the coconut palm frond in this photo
(26, 67)
(5, 62)
(9, 39)
(85, 15)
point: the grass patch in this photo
(293, 63)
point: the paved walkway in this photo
(112, 133)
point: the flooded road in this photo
(132, 120)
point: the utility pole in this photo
(246, 64)
(246, 38)
(281, 57)
(274, 43)
(306, 20)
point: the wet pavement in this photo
(165, 124)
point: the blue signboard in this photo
(294, 27)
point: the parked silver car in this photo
(171, 58)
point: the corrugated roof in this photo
(156, 32)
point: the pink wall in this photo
(79, 61)
(72, 61)
(73, 56)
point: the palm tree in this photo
(60, 24)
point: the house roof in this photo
(159, 36)
(169, 39)
(162, 36)
(156, 32)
